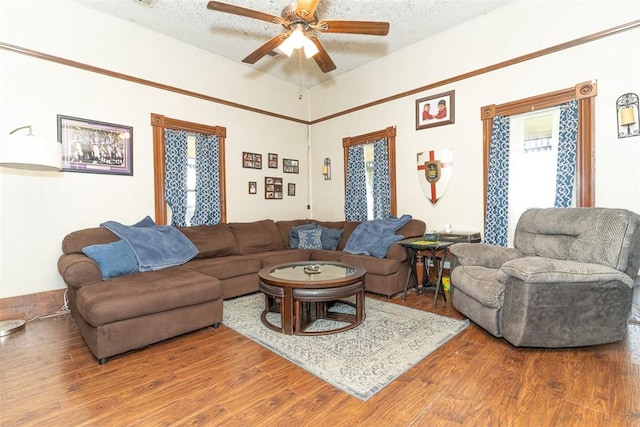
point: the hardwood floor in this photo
(214, 377)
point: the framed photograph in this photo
(272, 188)
(290, 166)
(273, 160)
(95, 147)
(436, 110)
(251, 160)
(253, 187)
(291, 189)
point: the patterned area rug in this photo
(360, 361)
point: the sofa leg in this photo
(215, 325)
(103, 361)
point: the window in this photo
(531, 122)
(370, 187)
(201, 176)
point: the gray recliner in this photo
(567, 282)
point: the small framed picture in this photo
(290, 166)
(95, 147)
(253, 187)
(251, 160)
(291, 189)
(272, 188)
(273, 161)
(436, 110)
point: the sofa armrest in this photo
(549, 270)
(397, 252)
(483, 255)
(78, 270)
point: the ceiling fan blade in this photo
(322, 57)
(354, 27)
(306, 8)
(264, 49)
(237, 10)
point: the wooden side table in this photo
(417, 250)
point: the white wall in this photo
(37, 209)
(530, 26)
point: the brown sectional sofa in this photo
(134, 310)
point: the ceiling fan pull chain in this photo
(300, 73)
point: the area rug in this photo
(360, 361)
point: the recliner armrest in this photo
(549, 270)
(483, 255)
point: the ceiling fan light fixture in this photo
(295, 40)
(310, 48)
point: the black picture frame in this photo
(273, 161)
(290, 166)
(272, 187)
(251, 160)
(91, 146)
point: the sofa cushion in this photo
(382, 267)
(284, 256)
(114, 259)
(140, 294)
(348, 229)
(310, 239)
(257, 236)
(413, 228)
(227, 267)
(212, 240)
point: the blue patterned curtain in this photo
(381, 182)
(175, 187)
(355, 203)
(567, 145)
(496, 223)
(208, 202)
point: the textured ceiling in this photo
(234, 37)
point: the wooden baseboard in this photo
(33, 305)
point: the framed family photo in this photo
(273, 160)
(95, 147)
(290, 166)
(435, 110)
(272, 188)
(251, 160)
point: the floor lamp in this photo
(27, 152)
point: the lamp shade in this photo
(30, 152)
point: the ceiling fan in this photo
(298, 19)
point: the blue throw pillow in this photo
(293, 234)
(330, 237)
(310, 239)
(114, 259)
(380, 248)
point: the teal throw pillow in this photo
(310, 239)
(294, 240)
(330, 237)
(381, 247)
(114, 259)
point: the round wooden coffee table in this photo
(303, 292)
